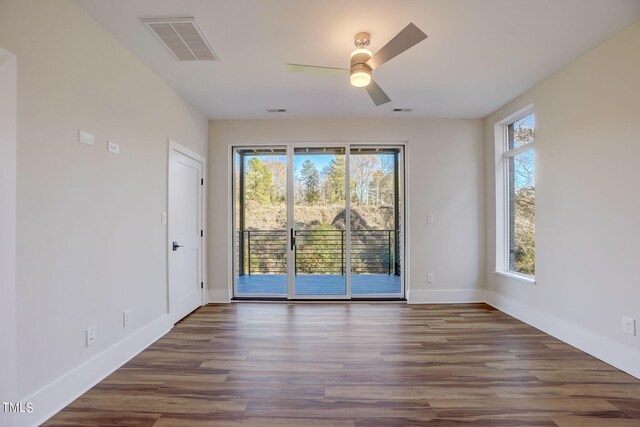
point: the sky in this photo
(320, 160)
(525, 169)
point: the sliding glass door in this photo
(318, 221)
(260, 222)
(376, 221)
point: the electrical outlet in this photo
(126, 317)
(429, 277)
(91, 335)
(113, 147)
(430, 218)
(629, 325)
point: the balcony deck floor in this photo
(318, 284)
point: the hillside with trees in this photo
(320, 194)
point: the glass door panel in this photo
(376, 221)
(319, 227)
(260, 222)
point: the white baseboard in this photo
(445, 296)
(53, 397)
(612, 352)
(218, 296)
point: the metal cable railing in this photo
(318, 252)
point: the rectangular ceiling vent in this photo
(183, 37)
(276, 110)
(402, 110)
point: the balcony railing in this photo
(319, 252)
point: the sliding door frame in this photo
(289, 146)
(402, 223)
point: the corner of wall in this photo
(8, 147)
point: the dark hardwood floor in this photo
(358, 365)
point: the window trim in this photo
(502, 154)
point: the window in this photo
(516, 179)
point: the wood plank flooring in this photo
(358, 365)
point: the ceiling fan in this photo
(363, 62)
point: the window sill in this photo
(519, 277)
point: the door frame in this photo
(289, 145)
(174, 147)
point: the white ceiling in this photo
(480, 54)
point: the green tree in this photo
(258, 182)
(336, 178)
(310, 178)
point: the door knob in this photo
(176, 246)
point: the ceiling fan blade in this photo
(300, 68)
(405, 39)
(377, 94)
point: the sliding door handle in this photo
(176, 246)
(293, 240)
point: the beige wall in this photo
(90, 243)
(588, 199)
(445, 174)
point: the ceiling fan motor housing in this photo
(360, 72)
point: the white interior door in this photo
(185, 231)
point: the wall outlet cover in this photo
(91, 335)
(629, 325)
(126, 317)
(112, 147)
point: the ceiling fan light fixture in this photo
(360, 78)
(361, 52)
(360, 72)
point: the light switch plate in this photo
(85, 137)
(163, 218)
(113, 147)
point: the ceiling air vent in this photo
(276, 110)
(402, 110)
(183, 37)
